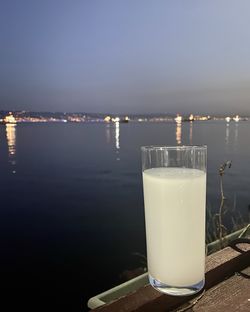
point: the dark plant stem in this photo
(221, 228)
(220, 225)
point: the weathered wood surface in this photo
(231, 295)
(218, 295)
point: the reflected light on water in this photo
(11, 138)
(227, 134)
(236, 134)
(178, 133)
(11, 142)
(191, 133)
(117, 135)
(117, 139)
(108, 134)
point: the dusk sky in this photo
(130, 56)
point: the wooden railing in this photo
(227, 287)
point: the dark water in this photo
(71, 217)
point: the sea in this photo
(71, 212)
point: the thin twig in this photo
(220, 227)
(244, 231)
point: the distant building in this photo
(178, 118)
(10, 119)
(107, 119)
(191, 117)
(236, 118)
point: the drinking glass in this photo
(174, 186)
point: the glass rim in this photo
(173, 147)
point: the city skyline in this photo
(117, 57)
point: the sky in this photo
(125, 56)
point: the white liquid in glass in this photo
(174, 201)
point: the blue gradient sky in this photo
(130, 56)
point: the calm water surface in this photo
(71, 217)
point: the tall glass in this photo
(174, 185)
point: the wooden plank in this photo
(231, 295)
(219, 265)
(226, 262)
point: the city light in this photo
(32, 117)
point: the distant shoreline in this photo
(16, 117)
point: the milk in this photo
(174, 200)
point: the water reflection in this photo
(191, 133)
(227, 134)
(117, 135)
(117, 139)
(108, 133)
(236, 134)
(232, 133)
(113, 136)
(11, 142)
(178, 133)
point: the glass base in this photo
(176, 291)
